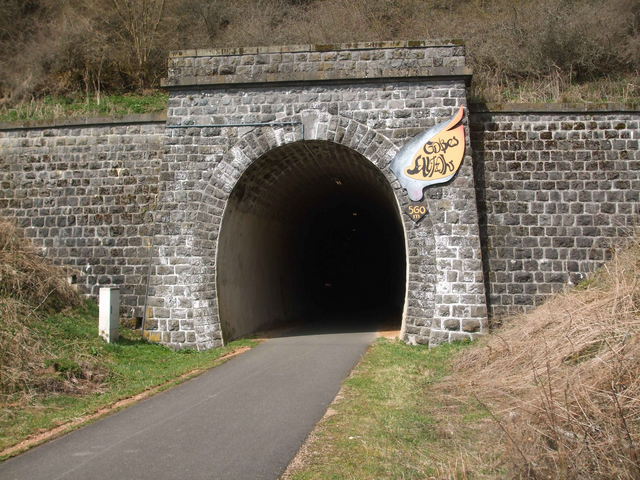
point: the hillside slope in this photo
(564, 379)
(537, 50)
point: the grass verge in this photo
(52, 107)
(622, 88)
(85, 375)
(394, 419)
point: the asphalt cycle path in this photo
(245, 419)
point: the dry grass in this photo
(17, 343)
(27, 278)
(539, 50)
(563, 382)
(29, 286)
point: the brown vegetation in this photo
(563, 382)
(27, 278)
(29, 287)
(524, 50)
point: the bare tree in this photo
(136, 23)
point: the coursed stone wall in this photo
(86, 194)
(557, 186)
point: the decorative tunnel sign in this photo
(433, 156)
(416, 211)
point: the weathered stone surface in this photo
(556, 189)
(311, 63)
(85, 195)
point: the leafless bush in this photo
(89, 46)
(563, 382)
(552, 42)
(29, 279)
(30, 287)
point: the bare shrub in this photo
(540, 47)
(18, 343)
(29, 279)
(563, 382)
(553, 42)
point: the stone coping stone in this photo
(221, 52)
(326, 76)
(85, 121)
(559, 108)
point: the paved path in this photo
(243, 420)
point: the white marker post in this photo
(109, 314)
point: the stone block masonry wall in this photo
(555, 190)
(370, 97)
(85, 194)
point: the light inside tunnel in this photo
(311, 232)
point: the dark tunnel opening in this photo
(311, 233)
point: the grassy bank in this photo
(83, 375)
(53, 107)
(55, 371)
(623, 89)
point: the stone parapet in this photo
(310, 63)
(540, 108)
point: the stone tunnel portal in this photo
(311, 232)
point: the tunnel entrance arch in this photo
(230, 108)
(312, 231)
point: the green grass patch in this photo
(83, 374)
(398, 418)
(53, 107)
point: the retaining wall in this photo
(85, 191)
(557, 186)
